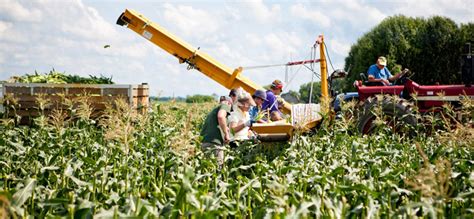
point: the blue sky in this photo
(70, 36)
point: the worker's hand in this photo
(280, 100)
(227, 137)
(385, 82)
(249, 123)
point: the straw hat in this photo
(244, 97)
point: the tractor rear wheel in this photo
(396, 113)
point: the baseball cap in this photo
(261, 94)
(382, 61)
(277, 84)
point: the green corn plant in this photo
(129, 165)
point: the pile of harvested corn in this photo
(55, 77)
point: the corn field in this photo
(126, 164)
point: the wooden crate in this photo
(27, 97)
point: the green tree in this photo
(429, 47)
(198, 98)
(305, 92)
(467, 33)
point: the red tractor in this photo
(398, 102)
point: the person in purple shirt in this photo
(271, 103)
(379, 73)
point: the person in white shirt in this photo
(239, 119)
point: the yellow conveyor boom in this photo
(210, 67)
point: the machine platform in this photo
(303, 116)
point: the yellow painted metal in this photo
(324, 76)
(312, 124)
(273, 128)
(234, 75)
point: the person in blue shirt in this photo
(259, 97)
(379, 73)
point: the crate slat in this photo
(49, 90)
(17, 90)
(116, 91)
(84, 91)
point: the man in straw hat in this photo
(379, 73)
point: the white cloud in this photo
(86, 23)
(299, 10)
(252, 39)
(339, 47)
(261, 12)
(282, 44)
(358, 13)
(4, 26)
(459, 10)
(14, 10)
(172, 69)
(190, 20)
(232, 14)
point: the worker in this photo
(239, 119)
(233, 96)
(259, 97)
(222, 99)
(379, 73)
(271, 103)
(215, 132)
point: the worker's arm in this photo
(391, 77)
(381, 80)
(237, 126)
(222, 120)
(394, 78)
(399, 75)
